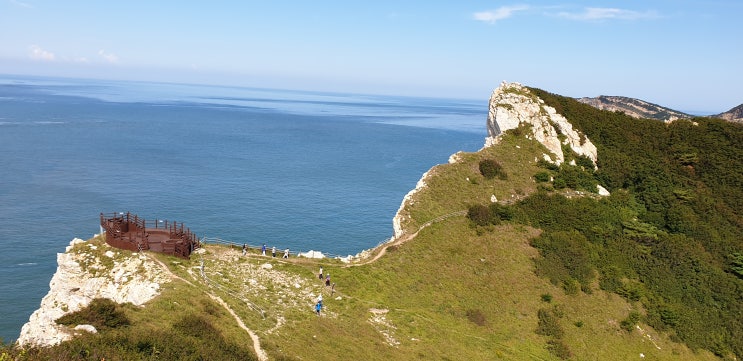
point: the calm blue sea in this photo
(296, 169)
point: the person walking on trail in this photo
(286, 253)
(273, 252)
(327, 280)
(263, 249)
(245, 249)
(318, 308)
(320, 272)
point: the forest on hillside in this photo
(670, 237)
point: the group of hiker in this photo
(319, 305)
(263, 251)
(322, 276)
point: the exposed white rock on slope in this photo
(512, 104)
(133, 278)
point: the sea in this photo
(293, 169)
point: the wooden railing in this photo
(129, 231)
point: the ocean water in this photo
(297, 169)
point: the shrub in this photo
(501, 212)
(548, 165)
(479, 214)
(629, 323)
(476, 317)
(490, 169)
(559, 349)
(546, 297)
(101, 313)
(549, 324)
(736, 264)
(542, 177)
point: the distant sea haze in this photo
(291, 169)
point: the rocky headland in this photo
(635, 108)
(86, 272)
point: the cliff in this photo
(734, 115)
(635, 108)
(85, 272)
(512, 104)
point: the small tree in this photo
(479, 214)
(490, 168)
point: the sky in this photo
(683, 54)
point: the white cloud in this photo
(503, 12)
(591, 14)
(21, 4)
(37, 53)
(109, 57)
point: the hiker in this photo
(273, 252)
(327, 280)
(320, 272)
(319, 299)
(286, 253)
(318, 308)
(245, 249)
(263, 249)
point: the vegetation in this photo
(490, 168)
(101, 313)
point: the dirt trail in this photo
(262, 356)
(404, 238)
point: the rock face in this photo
(400, 216)
(512, 104)
(635, 108)
(734, 115)
(84, 272)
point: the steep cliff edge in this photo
(512, 104)
(87, 271)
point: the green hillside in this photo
(551, 271)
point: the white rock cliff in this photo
(512, 104)
(84, 276)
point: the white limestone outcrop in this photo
(408, 199)
(512, 104)
(85, 272)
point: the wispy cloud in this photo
(37, 53)
(21, 4)
(597, 14)
(109, 57)
(503, 12)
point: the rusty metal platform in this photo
(130, 232)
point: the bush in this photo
(559, 349)
(479, 214)
(477, 317)
(548, 165)
(490, 169)
(101, 313)
(501, 212)
(548, 325)
(542, 177)
(630, 322)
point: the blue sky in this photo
(678, 53)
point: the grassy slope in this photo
(453, 292)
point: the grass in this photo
(455, 292)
